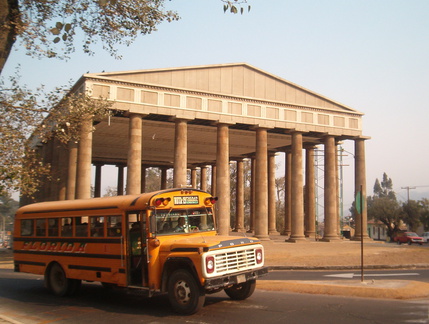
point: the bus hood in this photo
(208, 243)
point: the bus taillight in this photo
(210, 200)
(162, 201)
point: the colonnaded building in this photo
(194, 117)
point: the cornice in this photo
(225, 97)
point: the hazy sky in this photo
(371, 55)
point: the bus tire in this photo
(241, 291)
(57, 281)
(184, 292)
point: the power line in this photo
(408, 188)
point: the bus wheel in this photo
(185, 294)
(58, 282)
(241, 291)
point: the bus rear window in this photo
(27, 227)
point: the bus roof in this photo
(128, 202)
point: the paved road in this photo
(24, 300)
(416, 274)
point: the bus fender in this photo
(174, 263)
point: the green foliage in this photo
(111, 22)
(8, 207)
(384, 207)
(424, 213)
(410, 214)
(33, 116)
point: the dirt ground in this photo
(343, 253)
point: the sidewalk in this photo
(341, 255)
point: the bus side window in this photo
(53, 227)
(41, 227)
(97, 226)
(81, 224)
(114, 226)
(66, 227)
(27, 227)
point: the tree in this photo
(424, 215)
(8, 207)
(411, 214)
(28, 115)
(384, 207)
(49, 27)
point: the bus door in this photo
(137, 261)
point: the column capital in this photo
(309, 146)
(178, 119)
(134, 113)
(362, 138)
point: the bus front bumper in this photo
(234, 279)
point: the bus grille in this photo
(235, 261)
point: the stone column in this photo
(120, 189)
(97, 187)
(360, 181)
(84, 159)
(72, 170)
(252, 195)
(288, 192)
(63, 163)
(143, 181)
(239, 201)
(203, 179)
(214, 176)
(163, 178)
(180, 154)
(272, 230)
(53, 185)
(331, 210)
(261, 185)
(310, 194)
(134, 155)
(223, 179)
(297, 195)
(48, 183)
(194, 177)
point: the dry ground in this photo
(343, 253)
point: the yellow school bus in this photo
(158, 242)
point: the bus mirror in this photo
(153, 224)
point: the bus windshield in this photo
(179, 221)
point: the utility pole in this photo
(408, 192)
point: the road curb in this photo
(339, 267)
(386, 289)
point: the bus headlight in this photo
(259, 256)
(210, 264)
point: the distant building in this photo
(377, 230)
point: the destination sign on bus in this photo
(186, 200)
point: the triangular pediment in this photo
(237, 80)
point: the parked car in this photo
(425, 237)
(408, 237)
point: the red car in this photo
(408, 237)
